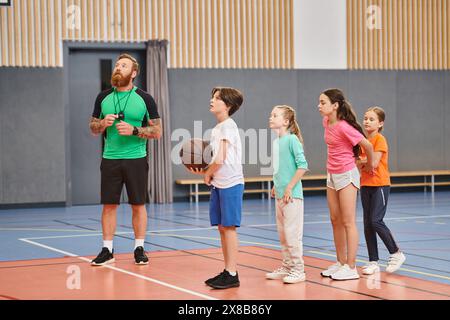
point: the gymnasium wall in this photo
(417, 104)
(277, 51)
(32, 130)
(32, 133)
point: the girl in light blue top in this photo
(289, 166)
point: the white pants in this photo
(290, 231)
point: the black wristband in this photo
(135, 131)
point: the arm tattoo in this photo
(153, 131)
(96, 126)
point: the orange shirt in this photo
(381, 176)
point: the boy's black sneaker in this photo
(214, 278)
(104, 257)
(225, 281)
(139, 256)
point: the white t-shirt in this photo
(230, 173)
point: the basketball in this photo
(196, 153)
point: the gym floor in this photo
(48, 247)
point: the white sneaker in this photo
(279, 273)
(331, 269)
(371, 268)
(345, 273)
(395, 262)
(294, 277)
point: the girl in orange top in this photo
(375, 189)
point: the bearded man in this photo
(126, 116)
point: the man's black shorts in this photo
(132, 172)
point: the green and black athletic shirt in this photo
(137, 106)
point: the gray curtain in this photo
(160, 165)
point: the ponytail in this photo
(295, 129)
(345, 112)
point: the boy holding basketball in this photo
(225, 176)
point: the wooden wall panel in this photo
(413, 35)
(201, 33)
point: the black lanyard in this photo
(121, 113)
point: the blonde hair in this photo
(293, 127)
(380, 114)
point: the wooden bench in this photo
(429, 180)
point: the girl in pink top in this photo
(344, 137)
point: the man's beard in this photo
(118, 80)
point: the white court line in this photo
(165, 284)
(186, 229)
(217, 239)
(52, 230)
(310, 251)
(76, 236)
(418, 217)
(97, 231)
(261, 225)
(359, 220)
(120, 233)
(248, 226)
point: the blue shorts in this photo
(225, 206)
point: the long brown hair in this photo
(289, 114)
(345, 112)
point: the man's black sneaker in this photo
(139, 256)
(225, 281)
(104, 257)
(214, 278)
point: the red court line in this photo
(3, 297)
(46, 279)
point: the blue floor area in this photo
(420, 223)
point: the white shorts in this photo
(338, 181)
